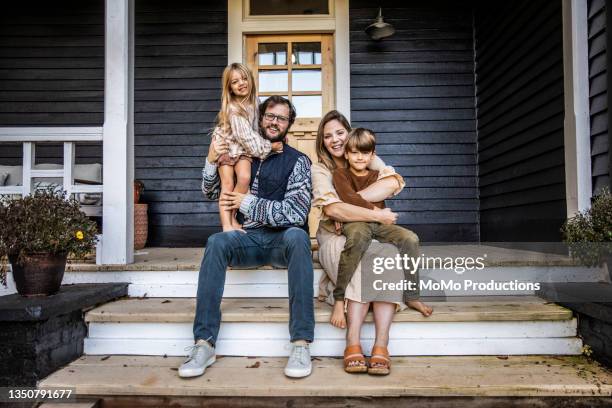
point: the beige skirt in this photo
(330, 247)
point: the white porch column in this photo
(577, 132)
(118, 150)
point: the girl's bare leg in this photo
(383, 317)
(355, 313)
(243, 181)
(226, 174)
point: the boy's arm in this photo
(250, 140)
(292, 209)
(211, 184)
(344, 188)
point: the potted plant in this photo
(38, 232)
(589, 233)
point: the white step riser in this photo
(408, 338)
(335, 348)
(273, 282)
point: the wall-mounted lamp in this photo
(379, 29)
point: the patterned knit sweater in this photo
(291, 211)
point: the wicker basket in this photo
(141, 225)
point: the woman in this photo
(331, 137)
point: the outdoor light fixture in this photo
(379, 29)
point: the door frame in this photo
(337, 23)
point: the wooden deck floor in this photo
(411, 376)
(186, 259)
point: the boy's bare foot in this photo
(420, 307)
(337, 317)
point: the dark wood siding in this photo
(51, 71)
(598, 93)
(181, 50)
(519, 82)
(416, 91)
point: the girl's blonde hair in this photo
(229, 101)
(323, 155)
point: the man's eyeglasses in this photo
(281, 119)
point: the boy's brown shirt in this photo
(347, 185)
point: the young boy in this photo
(359, 152)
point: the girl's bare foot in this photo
(236, 225)
(232, 228)
(420, 307)
(337, 318)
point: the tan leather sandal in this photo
(351, 354)
(380, 363)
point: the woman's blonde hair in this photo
(229, 101)
(323, 155)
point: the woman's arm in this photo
(380, 190)
(389, 183)
(345, 212)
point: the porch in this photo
(484, 158)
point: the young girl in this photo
(237, 125)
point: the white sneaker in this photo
(202, 355)
(299, 364)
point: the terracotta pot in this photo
(141, 225)
(138, 188)
(40, 274)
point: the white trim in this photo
(118, 146)
(68, 170)
(29, 158)
(577, 139)
(337, 23)
(246, 9)
(51, 134)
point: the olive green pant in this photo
(359, 235)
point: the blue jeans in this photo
(286, 248)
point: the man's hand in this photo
(386, 216)
(277, 147)
(231, 200)
(217, 147)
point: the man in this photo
(275, 232)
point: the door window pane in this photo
(306, 80)
(288, 7)
(308, 106)
(273, 81)
(306, 53)
(272, 54)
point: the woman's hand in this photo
(386, 216)
(217, 147)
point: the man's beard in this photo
(278, 138)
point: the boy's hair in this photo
(361, 139)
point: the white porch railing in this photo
(69, 136)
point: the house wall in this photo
(181, 50)
(519, 88)
(416, 91)
(598, 94)
(52, 71)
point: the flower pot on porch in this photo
(40, 274)
(141, 225)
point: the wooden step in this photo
(517, 376)
(181, 310)
(504, 325)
